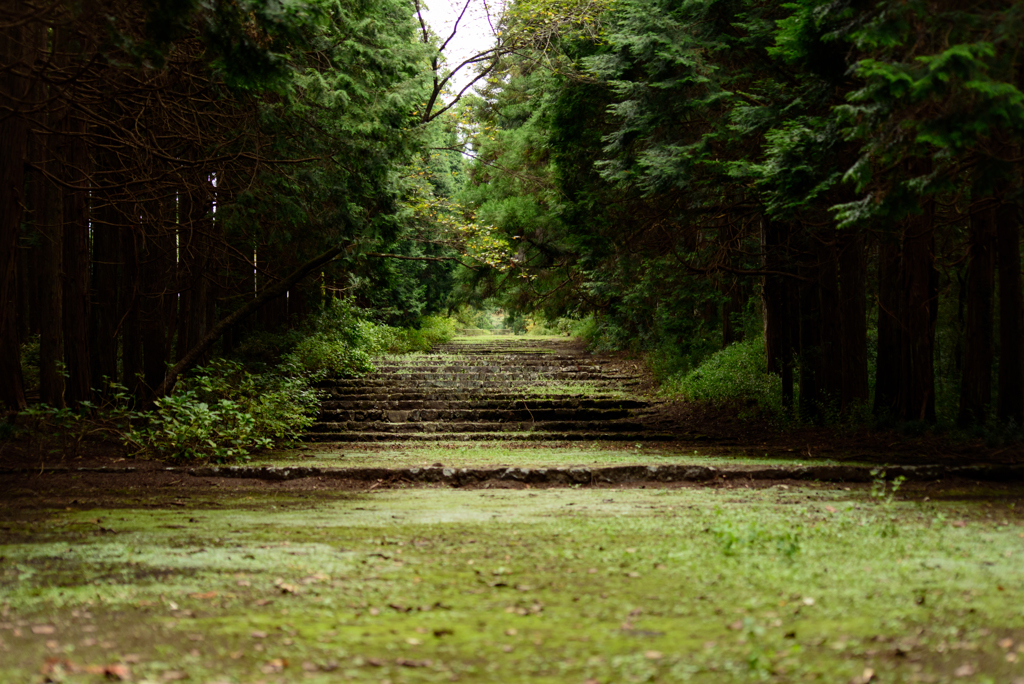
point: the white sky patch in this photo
(474, 34)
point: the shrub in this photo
(63, 430)
(343, 343)
(223, 412)
(737, 373)
(327, 353)
(469, 318)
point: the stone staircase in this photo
(507, 389)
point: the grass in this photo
(523, 454)
(705, 585)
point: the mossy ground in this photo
(697, 584)
(523, 454)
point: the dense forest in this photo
(839, 179)
(850, 169)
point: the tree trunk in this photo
(156, 297)
(106, 312)
(916, 400)
(48, 202)
(810, 317)
(890, 338)
(774, 292)
(16, 46)
(77, 260)
(132, 365)
(853, 317)
(262, 297)
(1011, 315)
(831, 366)
(976, 381)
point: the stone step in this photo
(483, 426)
(508, 390)
(509, 367)
(512, 372)
(383, 402)
(484, 394)
(409, 379)
(413, 359)
(370, 413)
(489, 437)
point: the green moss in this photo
(521, 454)
(541, 586)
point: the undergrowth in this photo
(223, 413)
(264, 396)
(738, 373)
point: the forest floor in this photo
(735, 553)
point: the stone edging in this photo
(582, 475)
(458, 477)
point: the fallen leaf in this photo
(43, 629)
(259, 634)
(830, 509)
(965, 670)
(1005, 643)
(736, 626)
(808, 601)
(653, 655)
(204, 596)
(413, 641)
(118, 671)
(405, 662)
(274, 666)
(173, 676)
(868, 675)
(511, 631)
(958, 523)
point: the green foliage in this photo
(473, 318)
(737, 538)
(63, 430)
(30, 361)
(342, 342)
(335, 355)
(737, 373)
(223, 413)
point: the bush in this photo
(63, 430)
(343, 343)
(327, 353)
(223, 413)
(737, 373)
(469, 318)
